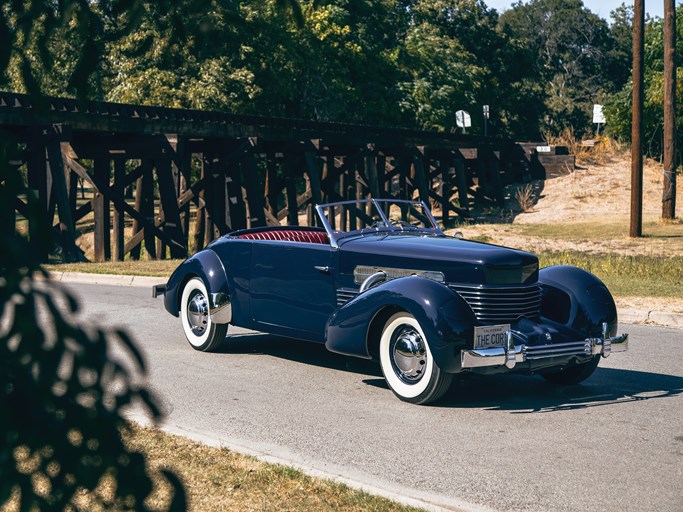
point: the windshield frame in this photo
(336, 235)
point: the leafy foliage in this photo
(618, 106)
(61, 395)
(540, 66)
(572, 49)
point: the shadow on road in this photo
(521, 394)
(518, 394)
(305, 352)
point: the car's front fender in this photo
(207, 266)
(445, 318)
(577, 299)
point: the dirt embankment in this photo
(591, 195)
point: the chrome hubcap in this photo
(198, 313)
(409, 355)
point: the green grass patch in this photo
(599, 230)
(626, 276)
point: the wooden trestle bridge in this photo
(171, 172)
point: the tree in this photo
(618, 106)
(572, 48)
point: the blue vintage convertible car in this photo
(378, 279)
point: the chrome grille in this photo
(574, 348)
(501, 304)
(344, 295)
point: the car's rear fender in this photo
(446, 319)
(207, 266)
(577, 299)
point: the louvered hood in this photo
(460, 261)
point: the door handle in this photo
(324, 270)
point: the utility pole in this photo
(670, 164)
(636, 228)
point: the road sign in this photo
(598, 114)
(463, 119)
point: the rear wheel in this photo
(573, 374)
(407, 363)
(200, 331)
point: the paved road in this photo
(504, 442)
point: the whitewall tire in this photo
(407, 362)
(200, 331)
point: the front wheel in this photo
(407, 363)
(200, 331)
(573, 374)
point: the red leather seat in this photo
(289, 235)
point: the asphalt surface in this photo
(501, 442)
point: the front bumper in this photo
(511, 354)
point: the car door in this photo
(292, 286)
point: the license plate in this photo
(490, 336)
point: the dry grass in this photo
(218, 479)
(526, 197)
(153, 268)
(604, 149)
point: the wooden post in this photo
(445, 189)
(209, 229)
(670, 162)
(273, 185)
(73, 191)
(494, 171)
(147, 207)
(236, 206)
(403, 167)
(119, 220)
(102, 219)
(290, 186)
(169, 204)
(359, 185)
(342, 192)
(185, 156)
(313, 169)
(66, 222)
(200, 219)
(137, 226)
(38, 200)
(420, 176)
(254, 191)
(636, 227)
(461, 180)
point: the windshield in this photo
(376, 216)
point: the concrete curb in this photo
(644, 316)
(356, 480)
(108, 279)
(628, 315)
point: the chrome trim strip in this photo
(344, 295)
(220, 309)
(157, 290)
(362, 272)
(511, 354)
(372, 280)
